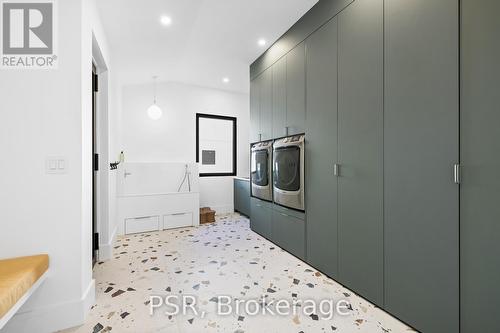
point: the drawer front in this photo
(261, 216)
(180, 220)
(289, 212)
(142, 224)
(289, 233)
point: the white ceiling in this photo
(208, 39)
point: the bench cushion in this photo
(17, 276)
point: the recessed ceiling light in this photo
(166, 20)
(262, 42)
(225, 80)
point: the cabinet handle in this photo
(285, 215)
(336, 170)
(260, 137)
(456, 174)
(286, 130)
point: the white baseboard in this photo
(88, 299)
(55, 317)
(106, 250)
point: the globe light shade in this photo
(154, 112)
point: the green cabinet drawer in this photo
(261, 217)
(288, 232)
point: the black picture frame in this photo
(235, 148)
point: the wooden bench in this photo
(19, 278)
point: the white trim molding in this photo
(106, 250)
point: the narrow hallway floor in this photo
(222, 259)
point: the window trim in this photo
(235, 148)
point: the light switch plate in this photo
(56, 165)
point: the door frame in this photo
(100, 196)
(95, 166)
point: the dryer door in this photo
(260, 167)
(287, 168)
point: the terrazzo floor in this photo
(224, 258)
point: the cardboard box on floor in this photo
(207, 215)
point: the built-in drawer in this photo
(291, 212)
(260, 217)
(179, 220)
(142, 224)
(289, 232)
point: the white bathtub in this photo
(149, 198)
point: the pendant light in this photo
(154, 111)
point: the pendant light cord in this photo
(154, 89)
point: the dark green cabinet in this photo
(279, 98)
(402, 141)
(420, 149)
(266, 105)
(360, 149)
(261, 107)
(296, 90)
(261, 217)
(242, 196)
(255, 109)
(288, 231)
(321, 149)
(480, 159)
(282, 226)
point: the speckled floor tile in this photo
(224, 258)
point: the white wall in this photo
(173, 137)
(48, 113)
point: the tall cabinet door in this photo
(255, 109)
(279, 98)
(480, 158)
(321, 149)
(360, 126)
(421, 146)
(296, 90)
(266, 105)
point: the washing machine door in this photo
(287, 168)
(260, 167)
